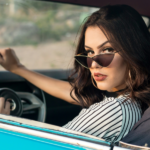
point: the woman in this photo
(112, 66)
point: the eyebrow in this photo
(99, 45)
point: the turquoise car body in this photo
(19, 135)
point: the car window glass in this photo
(43, 34)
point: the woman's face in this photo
(113, 76)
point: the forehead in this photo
(94, 36)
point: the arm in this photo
(57, 88)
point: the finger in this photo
(2, 102)
(3, 52)
(1, 58)
(7, 112)
(7, 105)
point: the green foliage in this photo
(53, 21)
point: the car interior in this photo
(16, 26)
(55, 111)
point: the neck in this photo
(117, 89)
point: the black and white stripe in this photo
(110, 119)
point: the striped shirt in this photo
(109, 119)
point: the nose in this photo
(95, 65)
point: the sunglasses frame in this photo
(78, 55)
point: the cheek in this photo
(116, 74)
(117, 70)
(117, 62)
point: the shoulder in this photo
(131, 113)
(127, 104)
(108, 107)
(111, 106)
(107, 102)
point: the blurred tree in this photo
(36, 5)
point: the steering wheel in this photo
(17, 108)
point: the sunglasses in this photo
(103, 60)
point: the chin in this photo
(104, 87)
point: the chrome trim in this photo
(12, 104)
(36, 103)
(120, 148)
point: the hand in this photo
(4, 106)
(9, 60)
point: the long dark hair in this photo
(124, 26)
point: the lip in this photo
(99, 78)
(96, 74)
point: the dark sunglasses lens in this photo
(89, 62)
(82, 60)
(104, 60)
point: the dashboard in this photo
(38, 105)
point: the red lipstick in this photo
(99, 77)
